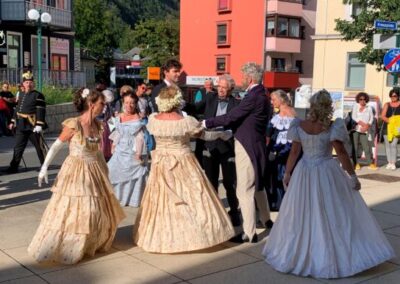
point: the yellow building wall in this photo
(330, 56)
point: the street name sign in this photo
(385, 25)
(391, 60)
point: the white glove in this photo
(355, 183)
(57, 145)
(226, 135)
(37, 129)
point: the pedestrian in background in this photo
(390, 110)
(363, 116)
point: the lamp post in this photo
(40, 17)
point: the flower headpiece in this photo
(168, 104)
(85, 93)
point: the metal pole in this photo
(396, 75)
(39, 32)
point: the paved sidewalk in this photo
(22, 204)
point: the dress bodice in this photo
(172, 135)
(318, 147)
(126, 133)
(80, 146)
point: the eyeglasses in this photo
(361, 99)
(394, 96)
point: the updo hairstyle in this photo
(321, 109)
(81, 100)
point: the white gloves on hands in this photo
(37, 129)
(355, 183)
(43, 176)
(57, 145)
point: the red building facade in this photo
(219, 36)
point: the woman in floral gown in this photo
(83, 214)
(180, 210)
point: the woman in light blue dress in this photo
(128, 164)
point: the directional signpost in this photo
(392, 57)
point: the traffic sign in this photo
(391, 60)
(381, 41)
(385, 25)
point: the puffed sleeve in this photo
(193, 126)
(71, 123)
(151, 123)
(293, 132)
(339, 131)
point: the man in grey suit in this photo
(248, 122)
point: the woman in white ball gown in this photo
(324, 228)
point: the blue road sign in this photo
(385, 25)
(391, 60)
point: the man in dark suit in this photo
(29, 121)
(219, 152)
(248, 122)
(170, 71)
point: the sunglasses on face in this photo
(361, 100)
(394, 96)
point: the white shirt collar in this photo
(167, 83)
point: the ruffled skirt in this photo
(82, 215)
(180, 210)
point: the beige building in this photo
(336, 67)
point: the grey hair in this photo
(253, 70)
(282, 96)
(228, 78)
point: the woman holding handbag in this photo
(390, 111)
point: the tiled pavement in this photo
(22, 203)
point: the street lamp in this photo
(40, 17)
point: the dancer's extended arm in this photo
(65, 136)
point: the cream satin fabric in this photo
(83, 214)
(180, 210)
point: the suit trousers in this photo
(247, 193)
(21, 140)
(212, 160)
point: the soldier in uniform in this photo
(29, 122)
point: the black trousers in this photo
(22, 138)
(212, 160)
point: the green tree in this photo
(361, 28)
(98, 28)
(158, 38)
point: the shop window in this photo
(223, 31)
(222, 64)
(355, 77)
(224, 6)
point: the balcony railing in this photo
(75, 79)
(17, 10)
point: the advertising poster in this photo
(337, 102)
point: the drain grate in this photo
(380, 177)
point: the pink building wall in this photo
(198, 36)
